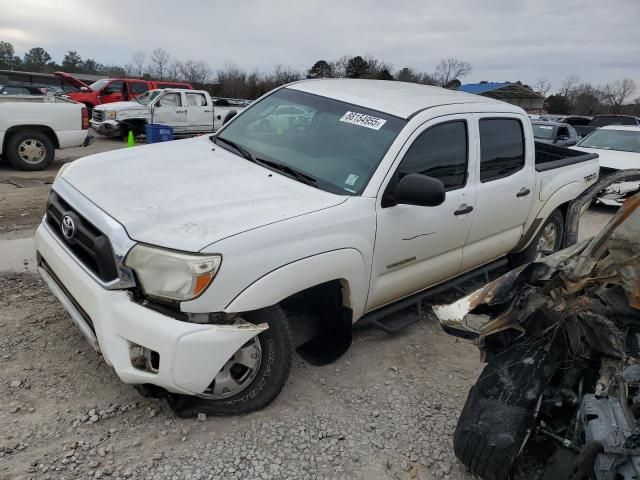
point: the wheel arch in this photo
(48, 131)
(345, 266)
(560, 200)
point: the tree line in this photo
(572, 96)
(583, 98)
(231, 80)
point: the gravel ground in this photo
(387, 409)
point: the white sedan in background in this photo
(619, 149)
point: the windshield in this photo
(622, 140)
(542, 131)
(99, 85)
(147, 97)
(338, 144)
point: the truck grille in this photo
(98, 115)
(85, 241)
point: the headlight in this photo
(110, 115)
(165, 274)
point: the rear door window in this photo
(440, 152)
(196, 100)
(138, 88)
(501, 148)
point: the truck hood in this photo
(123, 106)
(614, 159)
(187, 194)
(67, 77)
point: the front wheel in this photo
(253, 377)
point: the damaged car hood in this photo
(123, 106)
(187, 194)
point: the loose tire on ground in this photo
(500, 409)
(30, 150)
(531, 253)
(277, 350)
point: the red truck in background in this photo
(110, 90)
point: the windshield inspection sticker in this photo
(351, 179)
(363, 120)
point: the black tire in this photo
(18, 140)
(530, 253)
(277, 351)
(500, 409)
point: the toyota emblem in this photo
(68, 227)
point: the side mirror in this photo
(571, 143)
(420, 190)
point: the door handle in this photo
(462, 209)
(524, 191)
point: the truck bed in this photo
(549, 157)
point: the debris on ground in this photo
(561, 338)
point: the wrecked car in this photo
(561, 340)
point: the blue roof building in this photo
(513, 93)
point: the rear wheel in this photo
(253, 377)
(30, 150)
(548, 240)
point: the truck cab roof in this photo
(401, 99)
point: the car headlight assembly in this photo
(110, 115)
(170, 275)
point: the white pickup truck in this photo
(31, 128)
(193, 275)
(186, 111)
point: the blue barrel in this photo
(158, 133)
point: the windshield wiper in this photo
(245, 153)
(271, 164)
(288, 170)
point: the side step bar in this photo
(382, 318)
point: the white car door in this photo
(199, 114)
(417, 247)
(168, 110)
(505, 188)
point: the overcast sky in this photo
(598, 40)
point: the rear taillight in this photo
(85, 118)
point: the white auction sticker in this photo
(363, 120)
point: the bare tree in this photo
(617, 93)
(192, 72)
(282, 75)
(568, 84)
(159, 63)
(450, 69)
(586, 99)
(542, 86)
(232, 81)
(137, 66)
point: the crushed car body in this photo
(561, 339)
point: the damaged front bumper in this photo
(107, 128)
(142, 345)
